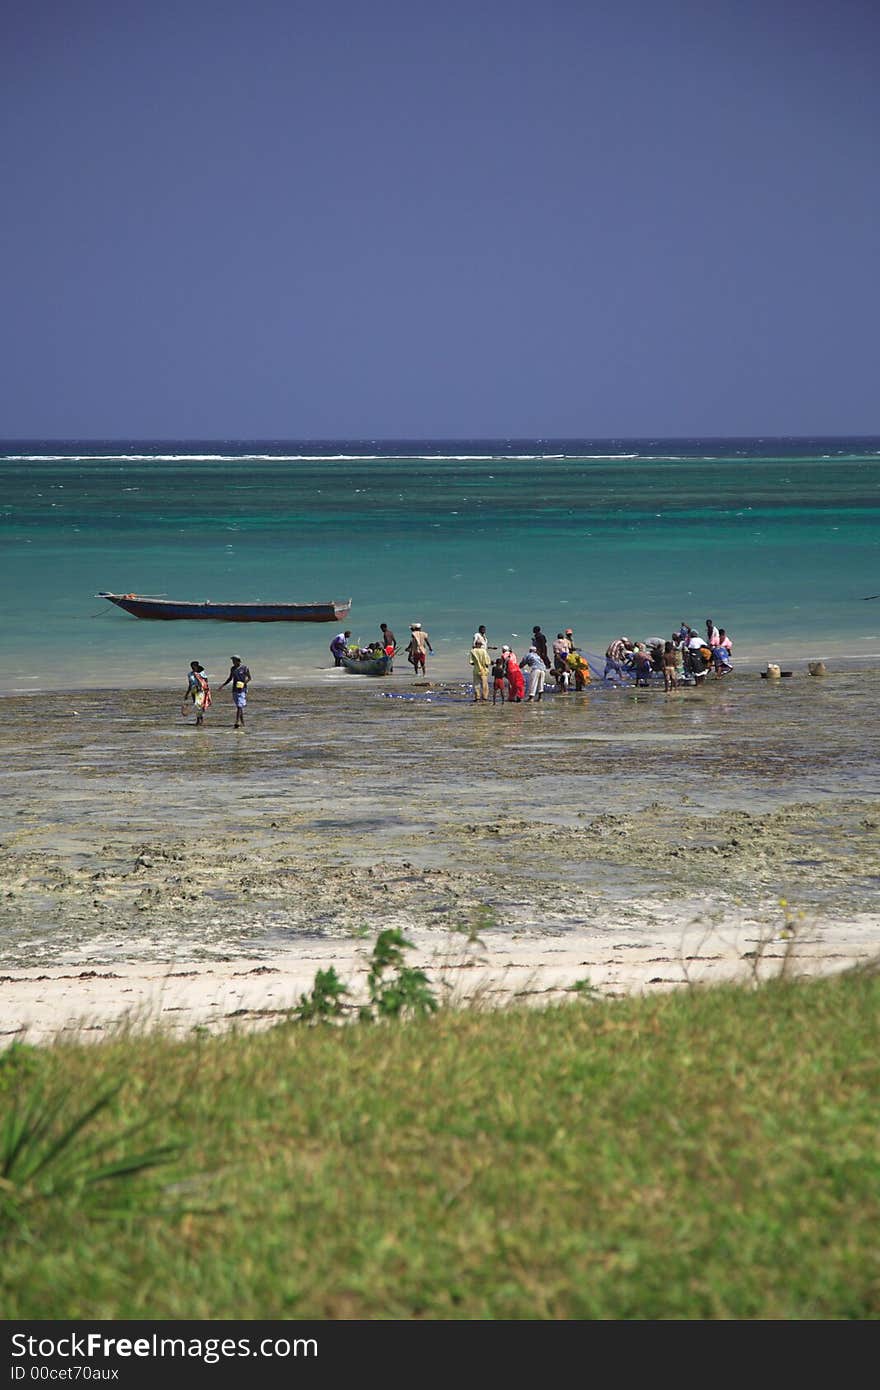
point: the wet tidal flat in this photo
(620, 818)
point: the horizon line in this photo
(414, 439)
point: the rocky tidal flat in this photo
(595, 836)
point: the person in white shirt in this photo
(535, 673)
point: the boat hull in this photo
(164, 609)
(369, 666)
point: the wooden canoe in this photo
(143, 606)
(381, 665)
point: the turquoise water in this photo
(778, 541)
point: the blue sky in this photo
(399, 219)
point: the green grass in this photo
(701, 1154)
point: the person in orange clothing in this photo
(516, 685)
(580, 669)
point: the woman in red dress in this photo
(516, 685)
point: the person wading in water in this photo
(197, 690)
(418, 644)
(240, 677)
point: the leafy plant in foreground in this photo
(325, 1000)
(46, 1153)
(396, 990)
(584, 989)
(407, 992)
(19, 1062)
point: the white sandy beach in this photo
(86, 1004)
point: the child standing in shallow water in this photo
(670, 668)
(498, 680)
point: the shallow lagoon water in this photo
(777, 540)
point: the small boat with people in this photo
(367, 661)
(160, 607)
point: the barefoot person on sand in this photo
(240, 677)
(535, 673)
(197, 690)
(479, 659)
(416, 648)
(516, 683)
(339, 645)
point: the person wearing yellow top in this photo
(580, 667)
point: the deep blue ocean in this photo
(776, 539)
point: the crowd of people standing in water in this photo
(526, 679)
(685, 656)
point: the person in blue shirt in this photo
(240, 678)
